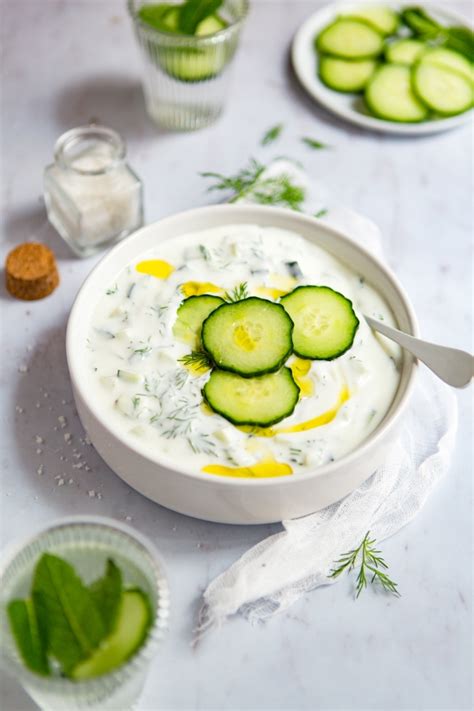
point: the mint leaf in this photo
(195, 11)
(272, 134)
(107, 594)
(29, 638)
(66, 609)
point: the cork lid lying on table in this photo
(30, 271)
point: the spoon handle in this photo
(453, 366)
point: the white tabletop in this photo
(67, 61)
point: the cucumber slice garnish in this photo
(350, 39)
(390, 96)
(325, 322)
(383, 19)
(191, 314)
(260, 401)
(210, 26)
(448, 59)
(249, 337)
(443, 90)
(345, 75)
(404, 51)
(133, 622)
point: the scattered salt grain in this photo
(91, 493)
(60, 482)
(87, 468)
(71, 481)
(68, 437)
(38, 439)
(23, 369)
(62, 421)
(19, 409)
(128, 518)
(45, 394)
(38, 404)
(39, 451)
(40, 469)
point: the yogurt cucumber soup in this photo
(242, 351)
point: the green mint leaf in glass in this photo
(193, 12)
(311, 143)
(272, 134)
(30, 639)
(107, 594)
(66, 609)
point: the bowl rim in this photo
(73, 352)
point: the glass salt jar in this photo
(93, 198)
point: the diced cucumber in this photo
(382, 18)
(350, 39)
(443, 90)
(210, 26)
(133, 622)
(345, 75)
(191, 314)
(449, 59)
(129, 376)
(404, 51)
(248, 337)
(389, 95)
(261, 401)
(325, 322)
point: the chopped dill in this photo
(321, 213)
(272, 134)
(311, 143)
(199, 359)
(112, 290)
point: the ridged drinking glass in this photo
(186, 78)
(86, 543)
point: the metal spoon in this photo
(453, 366)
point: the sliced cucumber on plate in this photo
(447, 58)
(350, 39)
(383, 19)
(444, 91)
(262, 401)
(389, 95)
(404, 51)
(345, 75)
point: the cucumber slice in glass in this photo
(443, 90)
(389, 95)
(249, 337)
(261, 401)
(350, 39)
(325, 322)
(404, 51)
(345, 75)
(383, 19)
(210, 26)
(191, 314)
(449, 59)
(133, 622)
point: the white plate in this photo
(349, 106)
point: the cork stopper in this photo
(30, 271)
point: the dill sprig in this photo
(372, 567)
(248, 182)
(198, 359)
(312, 143)
(272, 134)
(238, 293)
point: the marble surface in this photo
(66, 62)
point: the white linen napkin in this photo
(272, 575)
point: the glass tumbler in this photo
(87, 542)
(186, 77)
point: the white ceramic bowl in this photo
(222, 499)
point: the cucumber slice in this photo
(133, 622)
(249, 337)
(350, 39)
(404, 51)
(383, 19)
(210, 26)
(444, 91)
(325, 322)
(345, 75)
(449, 59)
(160, 16)
(191, 314)
(262, 401)
(389, 95)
